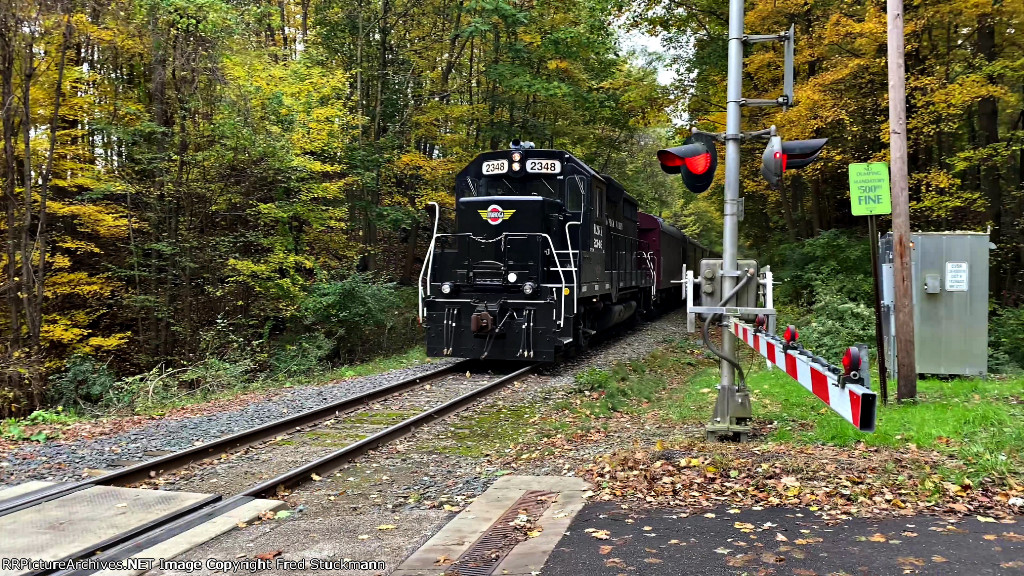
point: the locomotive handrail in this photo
(554, 254)
(428, 262)
(572, 264)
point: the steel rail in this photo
(156, 467)
(272, 487)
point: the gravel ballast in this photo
(70, 460)
(66, 461)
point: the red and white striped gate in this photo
(855, 403)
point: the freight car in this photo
(546, 253)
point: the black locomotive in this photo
(546, 253)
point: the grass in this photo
(977, 421)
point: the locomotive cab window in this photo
(599, 199)
(574, 193)
(548, 187)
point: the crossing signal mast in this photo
(732, 297)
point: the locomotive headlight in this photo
(447, 288)
(529, 288)
(516, 166)
(512, 277)
(517, 156)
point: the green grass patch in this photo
(489, 431)
(27, 428)
(974, 420)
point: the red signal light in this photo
(669, 159)
(699, 164)
(790, 335)
(851, 360)
(783, 157)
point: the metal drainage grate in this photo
(493, 545)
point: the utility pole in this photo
(906, 365)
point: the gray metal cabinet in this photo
(950, 286)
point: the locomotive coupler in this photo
(481, 322)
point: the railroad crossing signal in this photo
(696, 160)
(780, 156)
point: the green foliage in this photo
(301, 357)
(359, 316)
(826, 288)
(1006, 340)
(615, 390)
(83, 383)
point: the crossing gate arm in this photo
(854, 403)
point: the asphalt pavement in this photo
(607, 539)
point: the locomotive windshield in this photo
(567, 190)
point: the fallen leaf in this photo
(1014, 564)
(878, 538)
(615, 563)
(908, 561)
(938, 559)
(647, 528)
(282, 514)
(443, 560)
(363, 536)
(743, 525)
(804, 572)
(722, 550)
(605, 549)
(780, 538)
(269, 555)
(989, 536)
(985, 519)
(241, 524)
(316, 477)
(386, 527)
(652, 560)
(534, 533)
(1013, 537)
(709, 515)
(121, 505)
(909, 534)
(600, 534)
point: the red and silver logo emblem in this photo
(495, 215)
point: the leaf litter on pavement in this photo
(834, 482)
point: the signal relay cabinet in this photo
(949, 275)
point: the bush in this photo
(827, 292)
(833, 264)
(360, 317)
(302, 357)
(1006, 340)
(84, 383)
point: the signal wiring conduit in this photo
(711, 319)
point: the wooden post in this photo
(876, 274)
(906, 365)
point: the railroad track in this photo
(128, 543)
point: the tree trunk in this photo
(988, 128)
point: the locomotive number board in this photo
(495, 167)
(541, 166)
